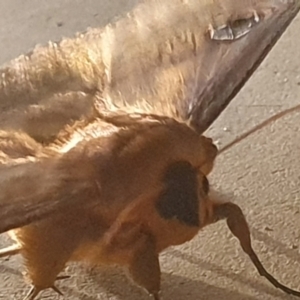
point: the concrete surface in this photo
(262, 173)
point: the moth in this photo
(103, 157)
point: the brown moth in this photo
(102, 154)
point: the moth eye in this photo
(234, 30)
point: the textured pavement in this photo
(261, 174)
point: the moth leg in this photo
(46, 248)
(129, 245)
(144, 268)
(10, 250)
(238, 226)
(35, 291)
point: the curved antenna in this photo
(258, 127)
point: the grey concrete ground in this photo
(261, 173)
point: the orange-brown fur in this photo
(117, 220)
(115, 162)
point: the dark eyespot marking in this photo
(180, 200)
